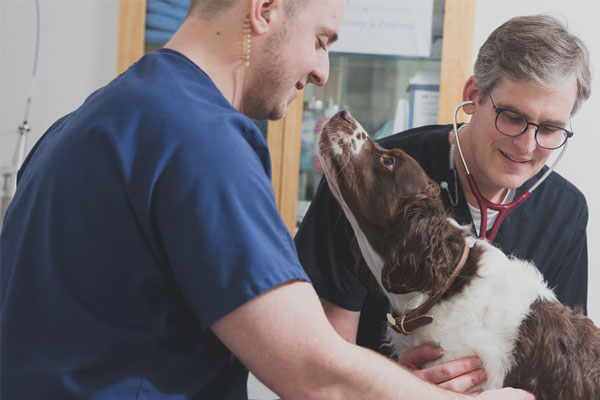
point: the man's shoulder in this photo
(559, 186)
(165, 82)
(428, 134)
(174, 98)
(556, 196)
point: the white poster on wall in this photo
(386, 27)
(424, 95)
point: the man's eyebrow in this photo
(560, 124)
(554, 122)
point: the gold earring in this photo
(246, 41)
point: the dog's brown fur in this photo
(557, 355)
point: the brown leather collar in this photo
(417, 318)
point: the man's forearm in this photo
(284, 338)
(364, 374)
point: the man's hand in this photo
(457, 376)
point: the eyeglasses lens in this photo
(513, 124)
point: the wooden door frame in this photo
(132, 21)
(457, 48)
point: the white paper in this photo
(425, 107)
(386, 27)
(424, 90)
(401, 117)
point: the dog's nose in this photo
(346, 115)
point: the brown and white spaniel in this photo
(448, 288)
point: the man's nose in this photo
(320, 74)
(526, 141)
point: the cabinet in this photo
(284, 137)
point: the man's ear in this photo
(263, 13)
(470, 92)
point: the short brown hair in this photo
(207, 9)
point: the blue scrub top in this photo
(139, 220)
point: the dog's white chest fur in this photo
(483, 319)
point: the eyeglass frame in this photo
(499, 110)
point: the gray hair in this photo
(536, 49)
(207, 9)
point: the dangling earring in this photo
(246, 41)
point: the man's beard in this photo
(264, 95)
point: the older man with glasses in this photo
(531, 76)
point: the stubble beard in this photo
(264, 97)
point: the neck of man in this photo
(216, 47)
(489, 191)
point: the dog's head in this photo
(394, 208)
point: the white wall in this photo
(578, 164)
(78, 53)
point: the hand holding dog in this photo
(458, 376)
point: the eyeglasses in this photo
(512, 123)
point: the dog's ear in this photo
(422, 248)
(361, 269)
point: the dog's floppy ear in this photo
(422, 247)
(362, 270)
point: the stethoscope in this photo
(485, 204)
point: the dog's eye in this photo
(387, 162)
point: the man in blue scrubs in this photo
(143, 256)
